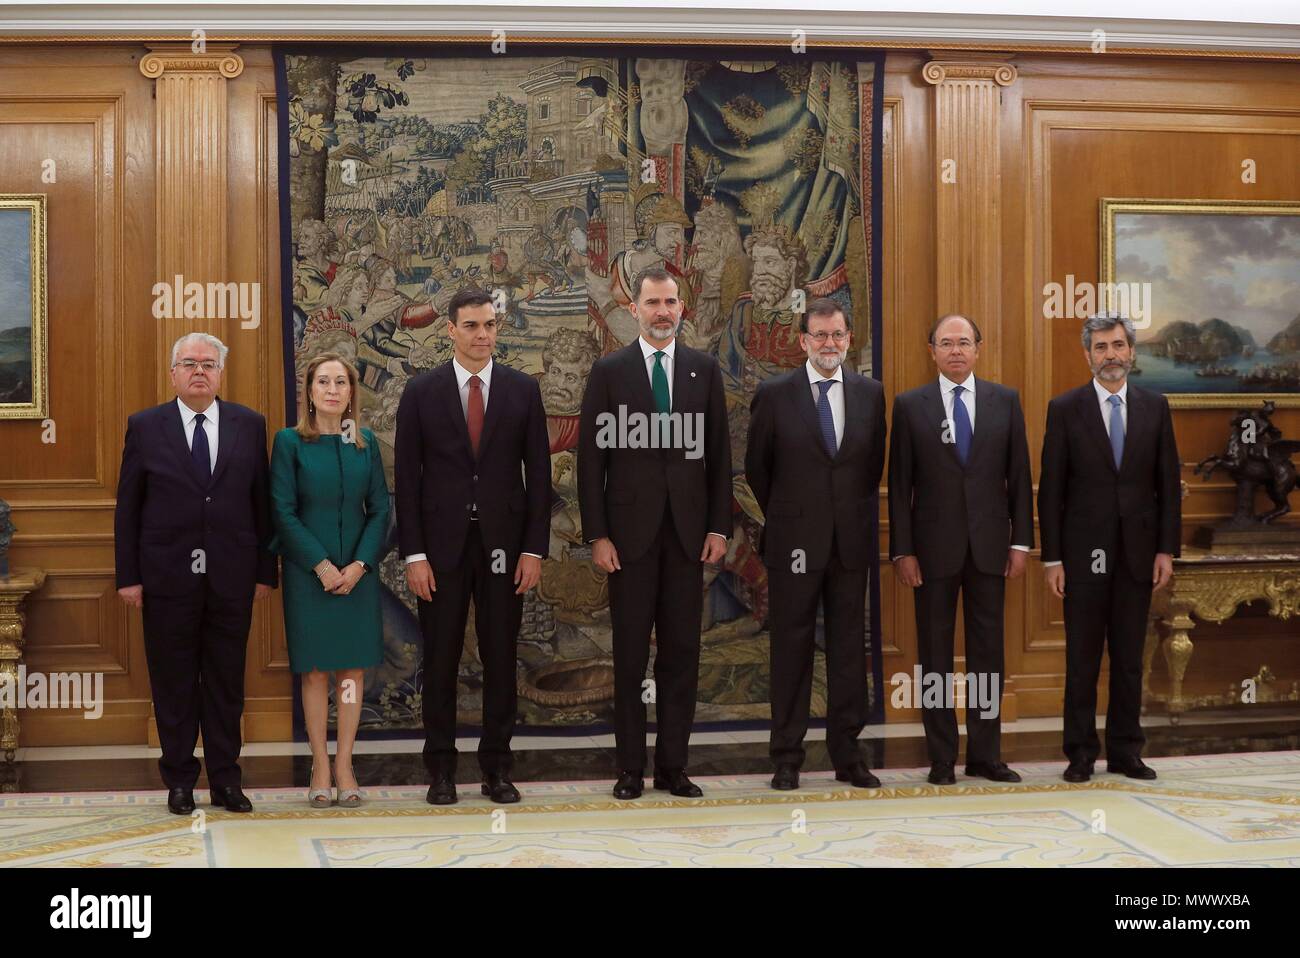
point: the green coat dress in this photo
(330, 501)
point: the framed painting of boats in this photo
(1216, 284)
(23, 368)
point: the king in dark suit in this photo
(473, 477)
(961, 521)
(814, 456)
(654, 490)
(191, 531)
(1110, 511)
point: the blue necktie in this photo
(1116, 429)
(824, 417)
(960, 425)
(199, 449)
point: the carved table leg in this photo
(1178, 652)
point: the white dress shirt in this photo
(834, 396)
(462, 386)
(1103, 400)
(210, 416)
(648, 351)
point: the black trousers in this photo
(661, 590)
(196, 646)
(936, 620)
(498, 613)
(1109, 612)
(793, 601)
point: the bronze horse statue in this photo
(1256, 456)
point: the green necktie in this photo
(659, 384)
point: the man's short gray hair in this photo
(1104, 321)
(208, 340)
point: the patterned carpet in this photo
(1239, 810)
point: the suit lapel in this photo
(854, 412)
(808, 409)
(1136, 418)
(227, 433)
(932, 402)
(682, 366)
(498, 397)
(174, 431)
(449, 397)
(635, 365)
(1094, 425)
(984, 403)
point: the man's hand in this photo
(329, 575)
(348, 578)
(261, 591)
(133, 595)
(527, 573)
(715, 547)
(908, 571)
(1162, 571)
(1016, 560)
(419, 579)
(605, 555)
(1055, 576)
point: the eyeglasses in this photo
(839, 336)
(189, 365)
(947, 345)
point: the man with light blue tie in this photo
(961, 522)
(1110, 511)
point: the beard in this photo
(557, 397)
(769, 289)
(1112, 371)
(654, 332)
(829, 361)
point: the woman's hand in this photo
(329, 575)
(348, 578)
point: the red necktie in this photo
(474, 419)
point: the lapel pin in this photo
(692, 375)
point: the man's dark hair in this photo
(656, 273)
(979, 338)
(466, 297)
(823, 306)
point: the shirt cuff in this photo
(719, 535)
(418, 557)
(1049, 564)
(533, 554)
(1021, 548)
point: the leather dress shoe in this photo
(629, 785)
(993, 771)
(231, 798)
(674, 780)
(1078, 771)
(1132, 767)
(442, 791)
(500, 789)
(857, 775)
(941, 773)
(180, 801)
(786, 778)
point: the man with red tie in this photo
(473, 477)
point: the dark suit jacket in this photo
(438, 478)
(1083, 498)
(165, 511)
(807, 496)
(938, 509)
(622, 492)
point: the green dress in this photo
(330, 501)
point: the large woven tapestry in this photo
(550, 181)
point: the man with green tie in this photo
(656, 505)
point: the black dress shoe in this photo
(500, 789)
(993, 771)
(786, 778)
(442, 791)
(629, 785)
(1132, 767)
(180, 801)
(941, 773)
(674, 780)
(231, 798)
(1078, 771)
(857, 775)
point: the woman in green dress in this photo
(331, 506)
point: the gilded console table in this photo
(14, 588)
(1211, 587)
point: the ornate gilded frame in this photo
(39, 407)
(1111, 207)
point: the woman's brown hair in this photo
(307, 427)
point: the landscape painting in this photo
(22, 307)
(1214, 288)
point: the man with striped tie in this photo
(813, 459)
(961, 520)
(1110, 510)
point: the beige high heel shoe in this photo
(348, 797)
(318, 797)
